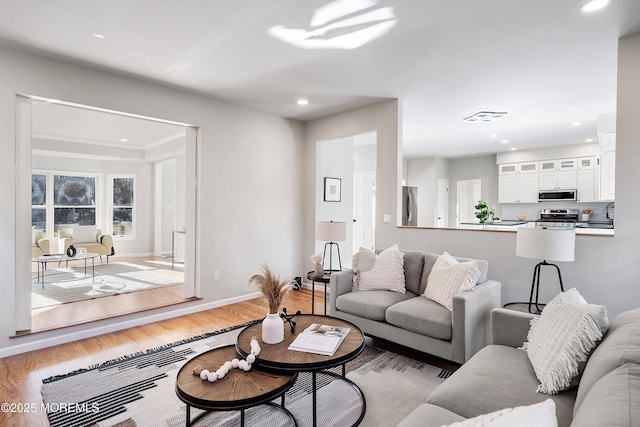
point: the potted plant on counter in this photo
(483, 213)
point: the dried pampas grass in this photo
(273, 289)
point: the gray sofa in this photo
(414, 321)
(500, 376)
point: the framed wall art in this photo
(332, 189)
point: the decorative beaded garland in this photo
(245, 365)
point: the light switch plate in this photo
(386, 219)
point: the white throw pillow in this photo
(541, 414)
(379, 272)
(84, 234)
(449, 277)
(562, 338)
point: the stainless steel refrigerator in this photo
(410, 206)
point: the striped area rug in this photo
(139, 390)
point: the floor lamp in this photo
(331, 232)
(547, 244)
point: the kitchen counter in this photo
(583, 228)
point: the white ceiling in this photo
(544, 62)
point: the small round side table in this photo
(325, 278)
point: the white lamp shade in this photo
(330, 231)
(549, 244)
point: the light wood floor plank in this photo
(21, 375)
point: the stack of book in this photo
(320, 339)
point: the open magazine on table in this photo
(320, 339)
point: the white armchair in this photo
(39, 245)
(88, 237)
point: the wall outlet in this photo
(386, 219)
(216, 275)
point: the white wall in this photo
(250, 183)
(336, 161)
(606, 269)
(382, 118)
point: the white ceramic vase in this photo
(272, 329)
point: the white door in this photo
(468, 194)
(442, 208)
(363, 210)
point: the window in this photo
(74, 199)
(39, 201)
(123, 205)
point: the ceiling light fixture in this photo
(512, 149)
(576, 124)
(302, 102)
(98, 36)
(593, 5)
(588, 140)
(124, 140)
(485, 116)
(504, 141)
(493, 136)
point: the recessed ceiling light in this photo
(512, 149)
(493, 136)
(98, 36)
(576, 124)
(124, 140)
(485, 116)
(588, 140)
(504, 141)
(593, 5)
(302, 102)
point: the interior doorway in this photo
(95, 170)
(352, 160)
(442, 207)
(468, 192)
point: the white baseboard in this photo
(79, 332)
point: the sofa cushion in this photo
(504, 378)
(422, 316)
(370, 304)
(621, 345)
(427, 415)
(430, 260)
(541, 414)
(84, 234)
(449, 277)
(413, 266)
(562, 338)
(613, 400)
(375, 272)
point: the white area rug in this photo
(69, 284)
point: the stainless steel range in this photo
(558, 218)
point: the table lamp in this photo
(547, 244)
(331, 232)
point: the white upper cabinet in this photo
(518, 188)
(558, 174)
(607, 166)
(586, 162)
(515, 168)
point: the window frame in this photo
(111, 206)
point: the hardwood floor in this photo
(64, 315)
(21, 375)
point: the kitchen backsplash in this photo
(510, 211)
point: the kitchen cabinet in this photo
(561, 180)
(586, 162)
(558, 174)
(587, 185)
(608, 166)
(518, 188)
(516, 168)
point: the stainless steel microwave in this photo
(557, 195)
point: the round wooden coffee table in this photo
(278, 358)
(238, 390)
